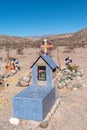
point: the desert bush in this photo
(20, 51)
(74, 67)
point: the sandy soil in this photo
(72, 111)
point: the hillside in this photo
(73, 39)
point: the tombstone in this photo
(35, 102)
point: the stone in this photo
(77, 86)
(67, 70)
(26, 78)
(61, 86)
(23, 83)
(14, 121)
(79, 74)
(70, 87)
(44, 124)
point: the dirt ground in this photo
(72, 111)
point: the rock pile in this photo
(70, 79)
(24, 81)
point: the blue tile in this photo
(48, 74)
(32, 107)
(34, 74)
(49, 61)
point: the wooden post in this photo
(7, 54)
(58, 58)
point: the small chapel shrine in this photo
(35, 102)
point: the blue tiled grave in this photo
(35, 102)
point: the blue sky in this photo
(40, 17)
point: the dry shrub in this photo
(74, 67)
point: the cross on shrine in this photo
(46, 46)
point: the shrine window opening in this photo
(41, 73)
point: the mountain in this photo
(72, 39)
(76, 39)
(40, 36)
(80, 36)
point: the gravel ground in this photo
(71, 113)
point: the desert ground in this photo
(71, 113)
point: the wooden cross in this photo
(45, 46)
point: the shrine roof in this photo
(48, 60)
